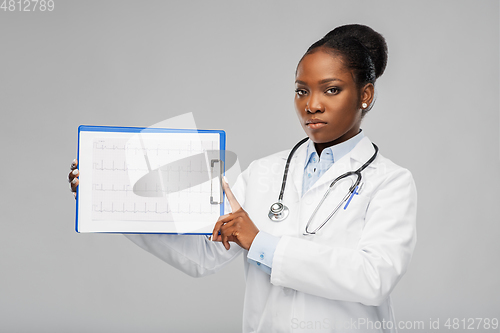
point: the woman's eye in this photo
(332, 91)
(300, 92)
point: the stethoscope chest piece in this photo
(278, 212)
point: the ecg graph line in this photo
(143, 150)
(138, 209)
(99, 165)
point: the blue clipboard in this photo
(149, 180)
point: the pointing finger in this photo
(235, 205)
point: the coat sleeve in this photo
(194, 255)
(368, 273)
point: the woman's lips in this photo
(315, 123)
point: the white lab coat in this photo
(338, 280)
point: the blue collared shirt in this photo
(261, 252)
(315, 166)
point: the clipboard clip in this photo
(219, 176)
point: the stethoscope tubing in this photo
(348, 195)
(277, 217)
(285, 174)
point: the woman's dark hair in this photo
(362, 49)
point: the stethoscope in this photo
(278, 211)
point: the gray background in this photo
(232, 63)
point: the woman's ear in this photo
(367, 94)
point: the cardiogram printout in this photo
(146, 180)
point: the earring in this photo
(364, 105)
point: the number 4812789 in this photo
(27, 5)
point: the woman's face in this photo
(327, 100)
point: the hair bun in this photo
(369, 38)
